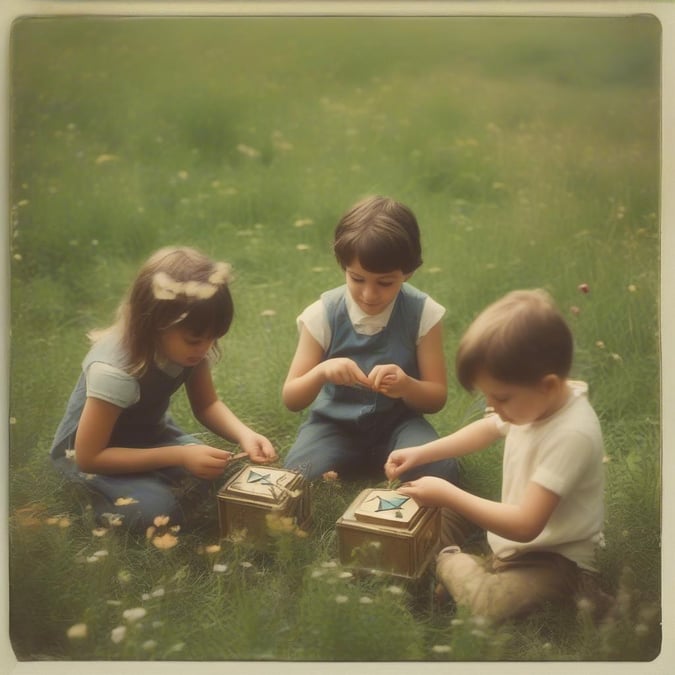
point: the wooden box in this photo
(248, 497)
(387, 531)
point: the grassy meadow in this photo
(528, 149)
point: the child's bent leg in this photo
(417, 431)
(504, 590)
(321, 446)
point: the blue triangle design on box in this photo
(391, 504)
(255, 477)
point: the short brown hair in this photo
(518, 339)
(381, 233)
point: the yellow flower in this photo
(77, 631)
(125, 501)
(159, 521)
(103, 159)
(165, 541)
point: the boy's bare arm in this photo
(519, 522)
(471, 438)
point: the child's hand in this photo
(204, 461)
(258, 448)
(388, 379)
(428, 491)
(398, 462)
(345, 372)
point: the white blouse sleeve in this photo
(314, 319)
(432, 313)
(111, 384)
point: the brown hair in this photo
(176, 286)
(518, 339)
(381, 233)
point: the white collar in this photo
(367, 324)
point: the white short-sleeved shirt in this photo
(564, 454)
(114, 385)
(315, 320)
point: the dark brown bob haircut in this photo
(381, 233)
(518, 339)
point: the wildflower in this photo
(103, 159)
(268, 312)
(248, 151)
(317, 573)
(303, 222)
(600, 344)
(160, 521)
(124, 576)
(583, 288)
(150, 532)
(329, 564)
(220, 568)
(113, 519)
(12, 420)
(441, 649)
(302, 247)
(212, 548)
(100, 531)
(246, 565)
(92, 559)
(149, 645)
(118, 634)
(632, 288)
(365, 600)
(457, 622)
(345, 575)
(341, 599)
(77, 631)
(165, 541)
(125, 501)
(113, 603)
(18, 257)
(575, 310)
(134, 614)
(616, 356)
(395, 590)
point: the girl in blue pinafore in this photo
(117, 437)
(369, 358)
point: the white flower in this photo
(341, 599)
(365, 600)
(220, 568)
(118, 634)
(395, 590)
(441, 649)
(345, 575)
(134, 614)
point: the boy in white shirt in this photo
(543, 533)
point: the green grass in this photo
(526, 166)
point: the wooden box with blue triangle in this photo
(386, 531)
(259, 501)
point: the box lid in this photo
(266, 484)
(387, 507)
